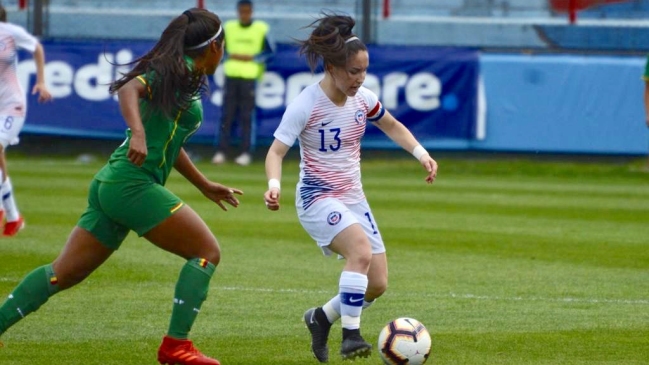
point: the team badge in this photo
(360, 117)
(334, 218)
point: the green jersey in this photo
(165, 137)
(645, 76)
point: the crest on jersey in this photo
(334, 218)
(360, 117)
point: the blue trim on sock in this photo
(352, 299)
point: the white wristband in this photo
(419, 151)
(273, 183)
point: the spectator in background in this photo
(645, 77)
(13, 107)
(247, 49)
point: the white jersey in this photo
(330, 143)
(13, 101)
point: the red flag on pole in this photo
(573, 6)
(563, 6)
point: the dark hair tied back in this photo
(327, 42)
(3, 13)
(173, 85)
(190, 16)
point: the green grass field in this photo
(506, 261)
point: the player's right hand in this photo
(137, 150)
(43, 94)
(271, 198)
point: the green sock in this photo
(191, 292)
(35, 289)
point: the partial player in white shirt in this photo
(329, 119)
(13, 107)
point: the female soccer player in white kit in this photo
(13, 107)
(329, 118)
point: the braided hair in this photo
(173, 85)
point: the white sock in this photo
(8, 201)
(332, 309)
(352, 289)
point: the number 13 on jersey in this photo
(329, 139)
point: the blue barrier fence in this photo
(544, 103)
(561, 103)
(432, 90)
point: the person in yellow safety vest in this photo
(247, 48)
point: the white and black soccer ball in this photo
(404, 341)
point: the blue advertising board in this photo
(433, 91)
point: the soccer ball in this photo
(404, 341)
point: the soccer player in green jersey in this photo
(160, 102)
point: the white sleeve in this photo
(294, 120)
(376, 110)
(23, 39)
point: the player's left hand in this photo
(219, 193)
(431, 166)
(43, 94)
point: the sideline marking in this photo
(457, 296)
(436, 295)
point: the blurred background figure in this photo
(247, 49)
(13, 107)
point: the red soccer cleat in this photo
(11, 228)
(182, 352)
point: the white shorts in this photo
(328, 217)
(10, 127)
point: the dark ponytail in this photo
(172, 84)
(3, 14)
(331, 41)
